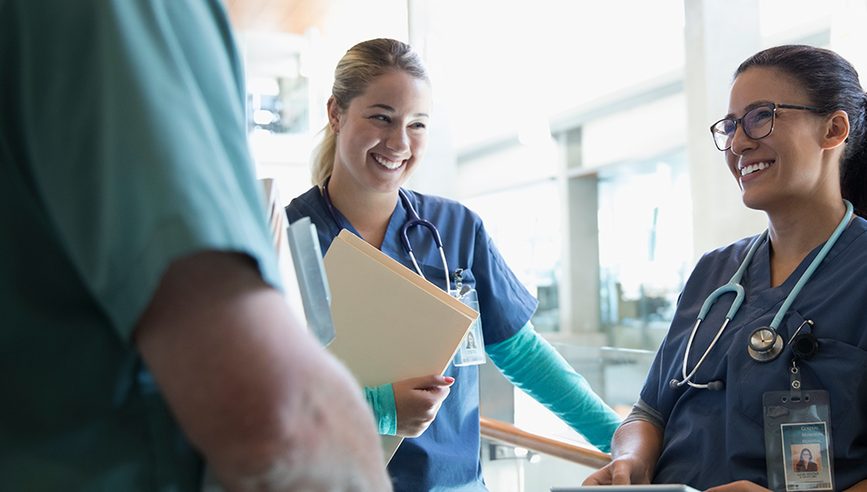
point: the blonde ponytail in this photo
(323, 157)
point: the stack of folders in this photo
(391, 324)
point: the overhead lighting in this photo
(263, 117)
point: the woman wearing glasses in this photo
(805, 463)
(794, 141)
(378, 113)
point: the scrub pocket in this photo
(838, 368)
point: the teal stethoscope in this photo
(765, 343)
(412, 219)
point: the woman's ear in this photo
(333, 115)
(836, 130)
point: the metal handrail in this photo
(509, 434)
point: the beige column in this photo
(719, 36)
(579, 284)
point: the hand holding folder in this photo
(391, 324)
(418, 400)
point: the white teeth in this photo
(755, 167)
(387, 163)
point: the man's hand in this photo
(252, 390)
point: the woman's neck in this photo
(796, 231)
(368, 211)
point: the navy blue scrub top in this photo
(446, 456)
(716, 437)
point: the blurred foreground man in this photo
(142, 332)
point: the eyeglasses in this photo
(758, 123)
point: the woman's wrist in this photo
(381, 401)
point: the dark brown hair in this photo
(831, 83)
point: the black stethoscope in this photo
(765, 344)
(413, 219)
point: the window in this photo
(524, 223)
(645, 248)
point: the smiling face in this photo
(785, 168)
(382, 134)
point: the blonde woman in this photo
(379, 113)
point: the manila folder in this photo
(391, 324)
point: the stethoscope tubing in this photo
(734, 285)
(813, 265)
(413, 219)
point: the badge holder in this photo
(798, 437)
(472, 349)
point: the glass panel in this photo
(645, 248)
(278, 105)
(615, 374)
(524, 223)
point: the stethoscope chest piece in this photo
(765, 344)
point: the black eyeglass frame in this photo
(740, 121)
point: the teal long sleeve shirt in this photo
(533, 365)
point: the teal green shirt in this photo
(122, 148)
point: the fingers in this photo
(739, 486)
(618, 472)
(432, 381)
(417, 402)
(602, 477)
(622, 474)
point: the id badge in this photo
(472, 350)
(798, 440)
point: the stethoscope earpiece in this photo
(716, 385)
(765, 344)
(713, 385)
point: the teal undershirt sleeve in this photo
(381, 401)
(533, 365)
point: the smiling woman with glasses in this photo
(711, 410)
(757, 123)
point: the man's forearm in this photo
(266, 405)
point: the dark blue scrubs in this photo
(446, 456)
(716, 437)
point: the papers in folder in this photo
(300, 261)
(391, 324)
(277, 222)
(315, 295)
